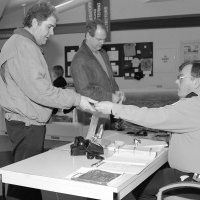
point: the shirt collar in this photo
(27, 34)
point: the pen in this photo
(99, 164)
(96, 164)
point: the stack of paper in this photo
(131, 162)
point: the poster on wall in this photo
(190, 50)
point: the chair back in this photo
(173, 186)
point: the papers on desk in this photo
(135, 157)
(122, 167)
(132, 159)
(131, 162)
(152, 144)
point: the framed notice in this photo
(190, 50)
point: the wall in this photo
(165, 41)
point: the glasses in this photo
(181, 76)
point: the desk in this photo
(47, 171)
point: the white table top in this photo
(48, 171)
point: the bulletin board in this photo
(128, 60)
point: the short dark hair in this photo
(58, 70)
(91, 26)
(40, 11)
(195, 70)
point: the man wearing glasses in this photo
(183, 119)
(91, 69)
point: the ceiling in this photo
(8, 6)
(156, 1)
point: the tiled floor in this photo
(5, 147)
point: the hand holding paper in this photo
(121, 96)
(105, 107)
(118, 97)
(87, 104)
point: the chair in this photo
(174, 186)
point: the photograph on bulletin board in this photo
(137, 60)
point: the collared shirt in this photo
(100, 59)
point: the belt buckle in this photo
(196, 177)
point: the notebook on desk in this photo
(94, 175)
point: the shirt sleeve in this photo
(179, 117)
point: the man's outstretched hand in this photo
(87, 104)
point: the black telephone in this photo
(83, 146)
(79, 146)
(80, 141)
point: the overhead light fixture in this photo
(63, 4)
(70, 4)
(153, 1)
(143, 1)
